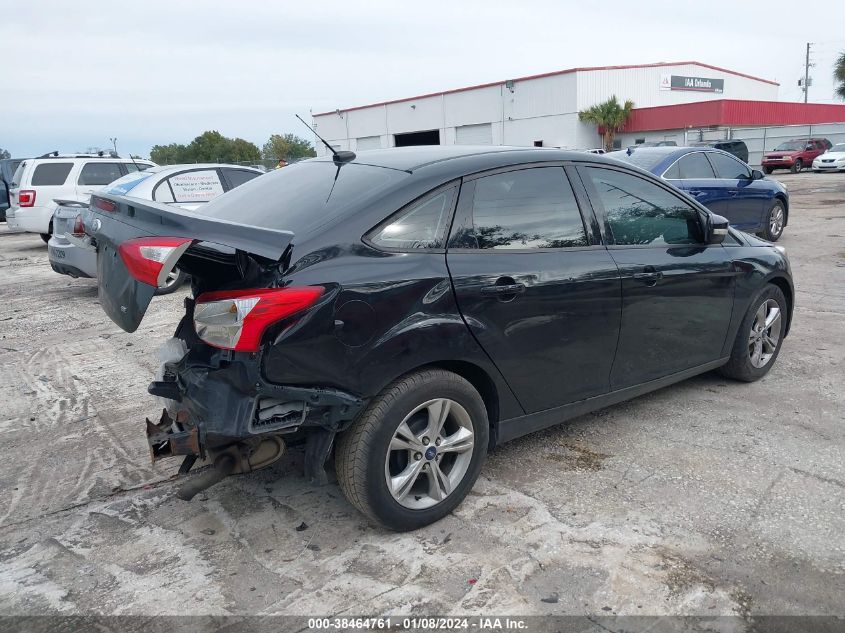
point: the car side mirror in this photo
(717, 229)
(756, 174)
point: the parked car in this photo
(794, 155)
(654, 144)
(73, 252)
(722, 183)
(731, 146)
(832, 160)
(38, 181)
(411, 309)
(7, 171)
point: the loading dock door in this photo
(368, 142)
(481, 134)
(429, 137)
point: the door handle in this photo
(695, 192)
(504, 289)
(650, 276)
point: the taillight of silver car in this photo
(237, 319)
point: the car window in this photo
(50, 174)
(237, 177)
(18, 175)
(524, 209)
(695, 165)
(728, 167)
(162, 192)
(195, 186)
(99, 173)
(639, 212)
(422, 225)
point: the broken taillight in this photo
(237, 319)
(150, 259)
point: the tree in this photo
(609, 116)
(208, 147)
(839, 74)
(287, 146)
(4, 153)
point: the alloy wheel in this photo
(776, 221)
(765, 333)
(429, 453)
(172, 276)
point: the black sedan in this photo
(407, 310)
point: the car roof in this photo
(413, 158)
(166, 169)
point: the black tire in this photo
(174, 285)
(797, 166)
(768, 170)
(772, 232)
(45, 237)
(740, 367)
(363, 449)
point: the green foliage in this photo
(839, 74)
(208, 147)
(287, 146)
(611, 116)
(4, 153)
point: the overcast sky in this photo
(154, 72)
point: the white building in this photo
(537, 110)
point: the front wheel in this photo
(775, 221)
(759, 338)
(415, 452)
(797, 166)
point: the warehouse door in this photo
(481, 134)
(429, 137)
(368, 142)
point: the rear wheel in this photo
(46, 236)
(415, 452)
(759, 338)
(775, 220)
(174, 280)
(797, 166)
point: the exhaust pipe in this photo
(222, 468)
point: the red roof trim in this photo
(549, 74)
(732, 112)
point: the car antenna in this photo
(340, 156)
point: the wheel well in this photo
(483, 384)
(781, 283)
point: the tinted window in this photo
(695, 165)
(195, 186)
(99, 173)
(529, 208)
(674, 172)
(421, 226)
(51, 174)
(728, 167)
(639, 212)
(305, 197)
(644, 158)
(237, 177)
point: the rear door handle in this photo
(650, 276)
(506, 289)
(695, 192)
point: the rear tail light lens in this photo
(237, 319)
(150, 259)
(104, 205)
(26, 198)
(78, 227)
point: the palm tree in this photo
(610, 116)
(839, 74)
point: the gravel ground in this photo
(709, 497)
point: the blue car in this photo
(721, 182)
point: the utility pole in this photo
(806, 86)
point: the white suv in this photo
(39, 181)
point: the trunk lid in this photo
(117, 221)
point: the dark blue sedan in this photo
(721, 182)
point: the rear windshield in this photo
(303, 197)
(644, 159)
(50, 174)
(124, 185)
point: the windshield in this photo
(839, 147)
(642, 158)
(303, 197)
(791, 146)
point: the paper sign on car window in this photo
(196, 186)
